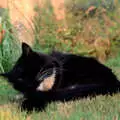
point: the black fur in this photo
(76, 76)
(39, 100)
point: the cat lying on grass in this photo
(57, 76)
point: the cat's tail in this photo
(82, 91)
(75, 92)
(38, 99)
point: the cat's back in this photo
(72, 60)
(76, 66)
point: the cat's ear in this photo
(26, 49)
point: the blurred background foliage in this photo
(89, 27)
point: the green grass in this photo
(101, 107)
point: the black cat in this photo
(59, 76)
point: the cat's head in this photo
(30, 70)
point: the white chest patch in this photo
(47, 83)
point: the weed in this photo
(9, 46)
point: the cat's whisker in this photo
(45, 73)
(48, 82)
(56, 68)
